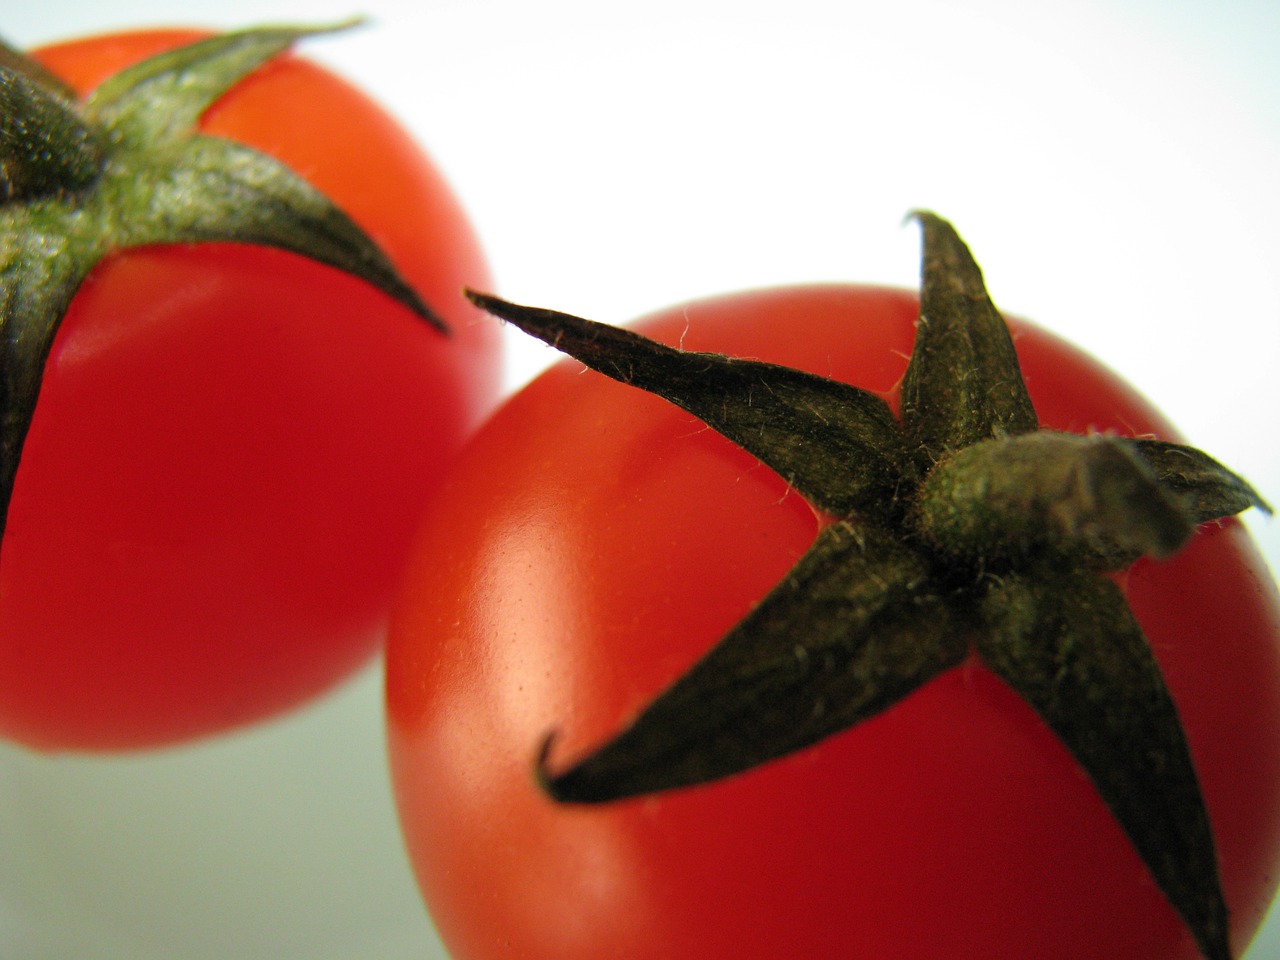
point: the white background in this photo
(1113, 164)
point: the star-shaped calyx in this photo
(959, 528)
(127, 168)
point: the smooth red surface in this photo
(232, 445)
(594, 541)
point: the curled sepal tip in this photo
(963, 383)
(849, 632)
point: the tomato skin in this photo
(594, 541)
(231, 442)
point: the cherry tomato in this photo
(594, 541)
(232, 443)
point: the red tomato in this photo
(595, 541)
(232, 443)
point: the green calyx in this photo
(961, 528)
(127, 168)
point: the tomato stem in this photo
(1078, 497)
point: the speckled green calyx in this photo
(127, 168)
(960, 529)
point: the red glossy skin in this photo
(232, 444)
(594, 541)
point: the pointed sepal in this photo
(225, 192)
(838, 446)
(848, 632)
(1209, 491)
(1067, 642)
(163, 96)
(963, 383)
